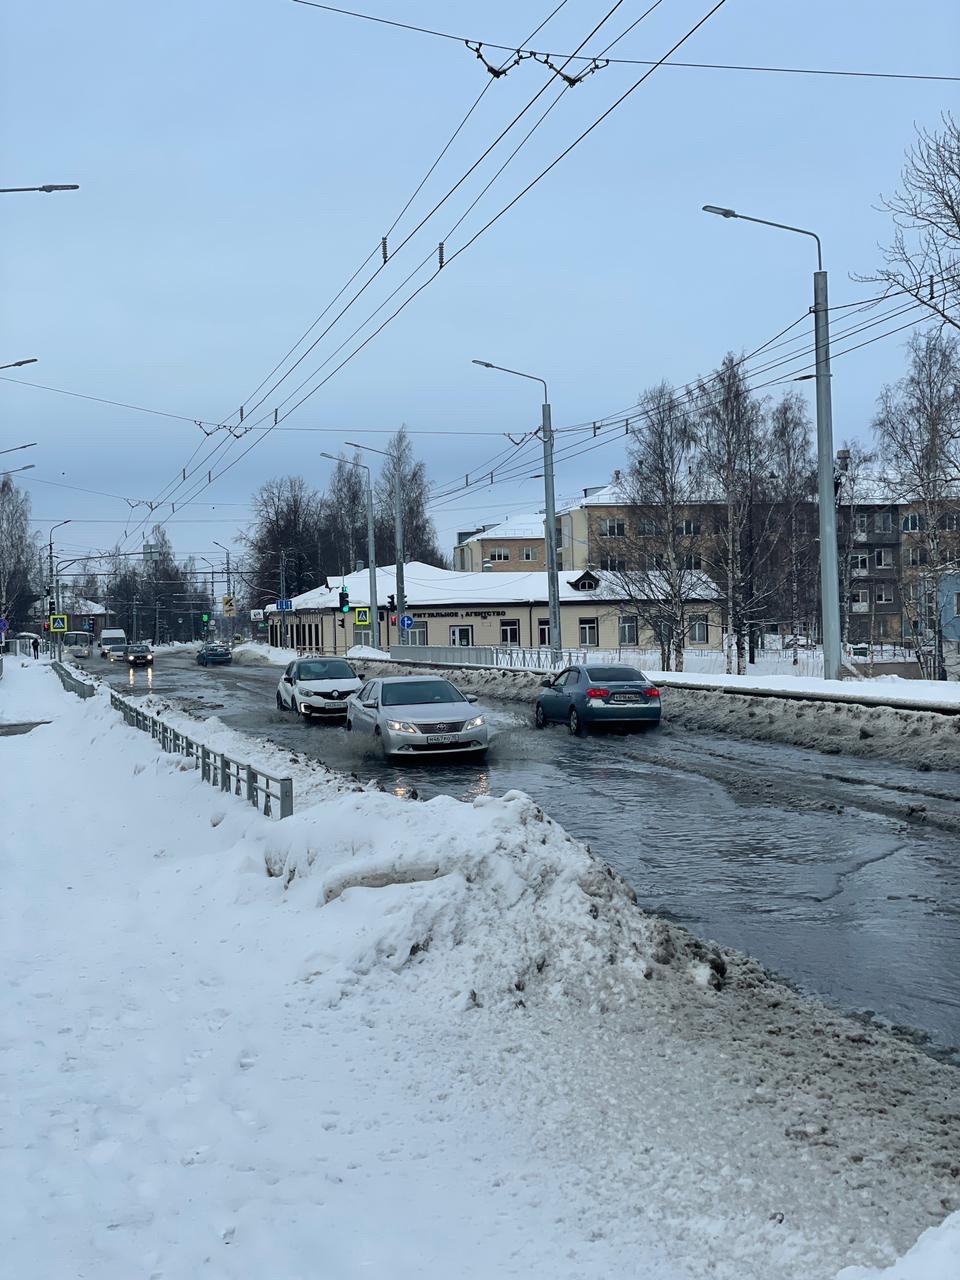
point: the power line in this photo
(471, 43)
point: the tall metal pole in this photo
(550, 520)
(829, 574)
(283, 596)
(398, 542)
(372, 564)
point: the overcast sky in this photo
(239, 159)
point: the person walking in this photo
(36, 647)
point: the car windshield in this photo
(138, 648)
(417, 692)
(616, 675)
(117, 648)
(325, 671)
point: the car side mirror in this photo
(288, 679)
(471, 697)
(371, 705)
(361, 676)
(546, 682)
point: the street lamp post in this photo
(371, 549)
(550, 514)
(227, 550)
(53, 591)
(18, 364)
(16, 470)
(47, 186)
(829, 575)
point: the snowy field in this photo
(404, 1040)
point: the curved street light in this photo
(827, 510)
(47, 186)
(18, 364)
(550, 512)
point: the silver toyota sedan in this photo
(418, 715)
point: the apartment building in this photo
(516, 545)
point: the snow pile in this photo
(936, 1254)
(389, 1038)
(511, 908)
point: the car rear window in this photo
(616, 675)
(418, 692)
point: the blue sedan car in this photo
(579, 697)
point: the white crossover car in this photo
(418, 715)
(317, 687)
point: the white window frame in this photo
(611, 527)
(586, 584)
(529, 553)
(500, 555)
(418, 633)
(883, 558)
(883, 595)
(859, 562)
(698, 628)
(693, 561)
(613, 564)
(588, 627)
(543, 632)
(691, 528)
(883, 522)
(461, 626)
(629, 629)
(510, 626)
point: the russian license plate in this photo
(626, 697)
(441, 737)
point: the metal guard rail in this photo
(264, 791)
(72, 684)
(502, 657)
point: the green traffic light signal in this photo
(204, 617)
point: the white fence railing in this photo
(456, 655)
(271, 795)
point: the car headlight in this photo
(476, 723)
(402, 726)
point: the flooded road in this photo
(838, 873)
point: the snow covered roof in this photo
(521, 526)
(425, 584)
(608, 495)
(90, 608)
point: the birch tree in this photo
(917, 426)
(661, 545)
(17, 555)
(794, 483)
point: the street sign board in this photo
(58, 622)
(229, 611)
(284, 606)
(4, 625)
(406, 622)
(361, 617)
(256, 615)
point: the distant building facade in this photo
(513, 546)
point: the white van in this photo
(110, 636)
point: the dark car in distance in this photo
(598, 693)
(214, 653)
(139, 655)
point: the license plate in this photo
(626, 697)
(441, 737)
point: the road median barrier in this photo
(269, 795)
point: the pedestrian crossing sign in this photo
(361, 618)
(58, 622)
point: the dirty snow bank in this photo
(936, 1253)
(416, 1040)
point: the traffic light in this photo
(392, 603)
(204, 617)
(344, 600)
(341, 623)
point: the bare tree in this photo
(400, 467)
(918, 430)
(661, 561)
(856, 488)
(793, 484)
(17, 554)
(731, 457)
(923, 258)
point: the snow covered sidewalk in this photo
(392, 1039)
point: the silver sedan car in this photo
(417, 716)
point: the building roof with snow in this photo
(425, 585)
(520, 526)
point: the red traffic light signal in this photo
(46, 626)
(393, 619)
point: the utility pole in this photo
(372, 544)
(398, 542)
(826, 496)
(549, 507)
(283, 596)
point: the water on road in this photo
(840, 874)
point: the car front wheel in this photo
(539, 719)
(279, 703)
